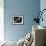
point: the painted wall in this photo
(1, 20)
(28, 8)
(43, 6)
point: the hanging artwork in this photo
(18, 20)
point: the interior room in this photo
(22, 23)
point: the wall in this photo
(28, 8)
(43, 6)
(1, 20)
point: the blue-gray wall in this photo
(28, 8)
(43, 6)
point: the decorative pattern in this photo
(28, 40)
(39, 16)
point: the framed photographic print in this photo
(18, 19)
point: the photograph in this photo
(18, 20)
(22, 22)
